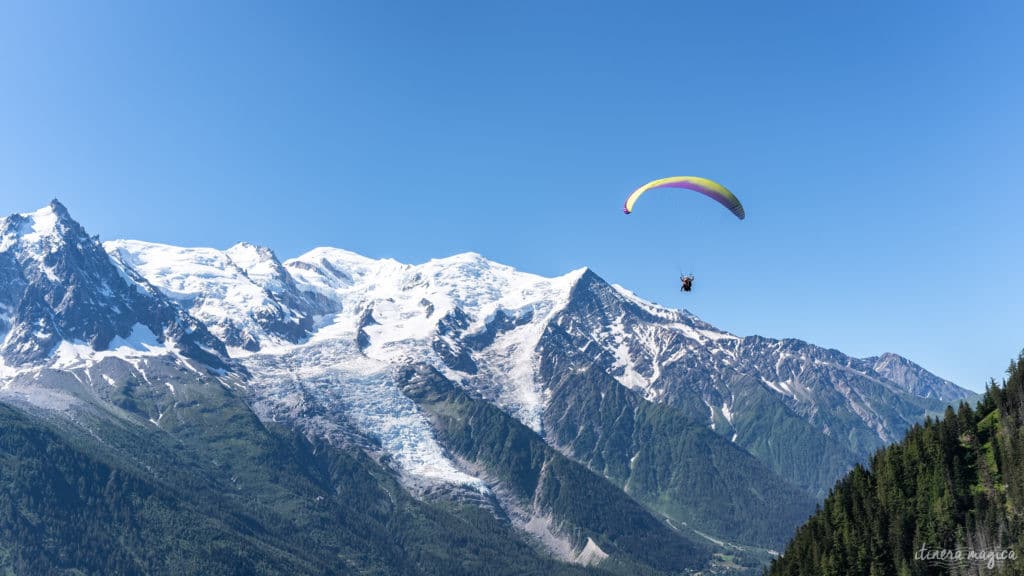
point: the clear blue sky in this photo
(877, 147)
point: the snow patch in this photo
(41, 224)
(140, 342)
(591, 555)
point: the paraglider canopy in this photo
(709, 188)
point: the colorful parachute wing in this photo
(709, 188)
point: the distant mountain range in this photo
(337, 414)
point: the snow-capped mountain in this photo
(477, 321)
(62, 297)
(810, 413)
(242, 294)
(508, 336)
(726, 435)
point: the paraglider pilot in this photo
(687, 283)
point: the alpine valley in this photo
(170, 410)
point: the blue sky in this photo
(877, 147)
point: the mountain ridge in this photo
(725, 437)
(379, 290)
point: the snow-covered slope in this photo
(241, 294)
(478, 321)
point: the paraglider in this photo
(687, 283)
(709, 188)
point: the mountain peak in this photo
(465, 257)
(246, 251)
(586, 280)
(59, 209)
(331, 256)
(914, 378)
(259, 262)
(41, 232)
(60, 286)
(466, 260)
